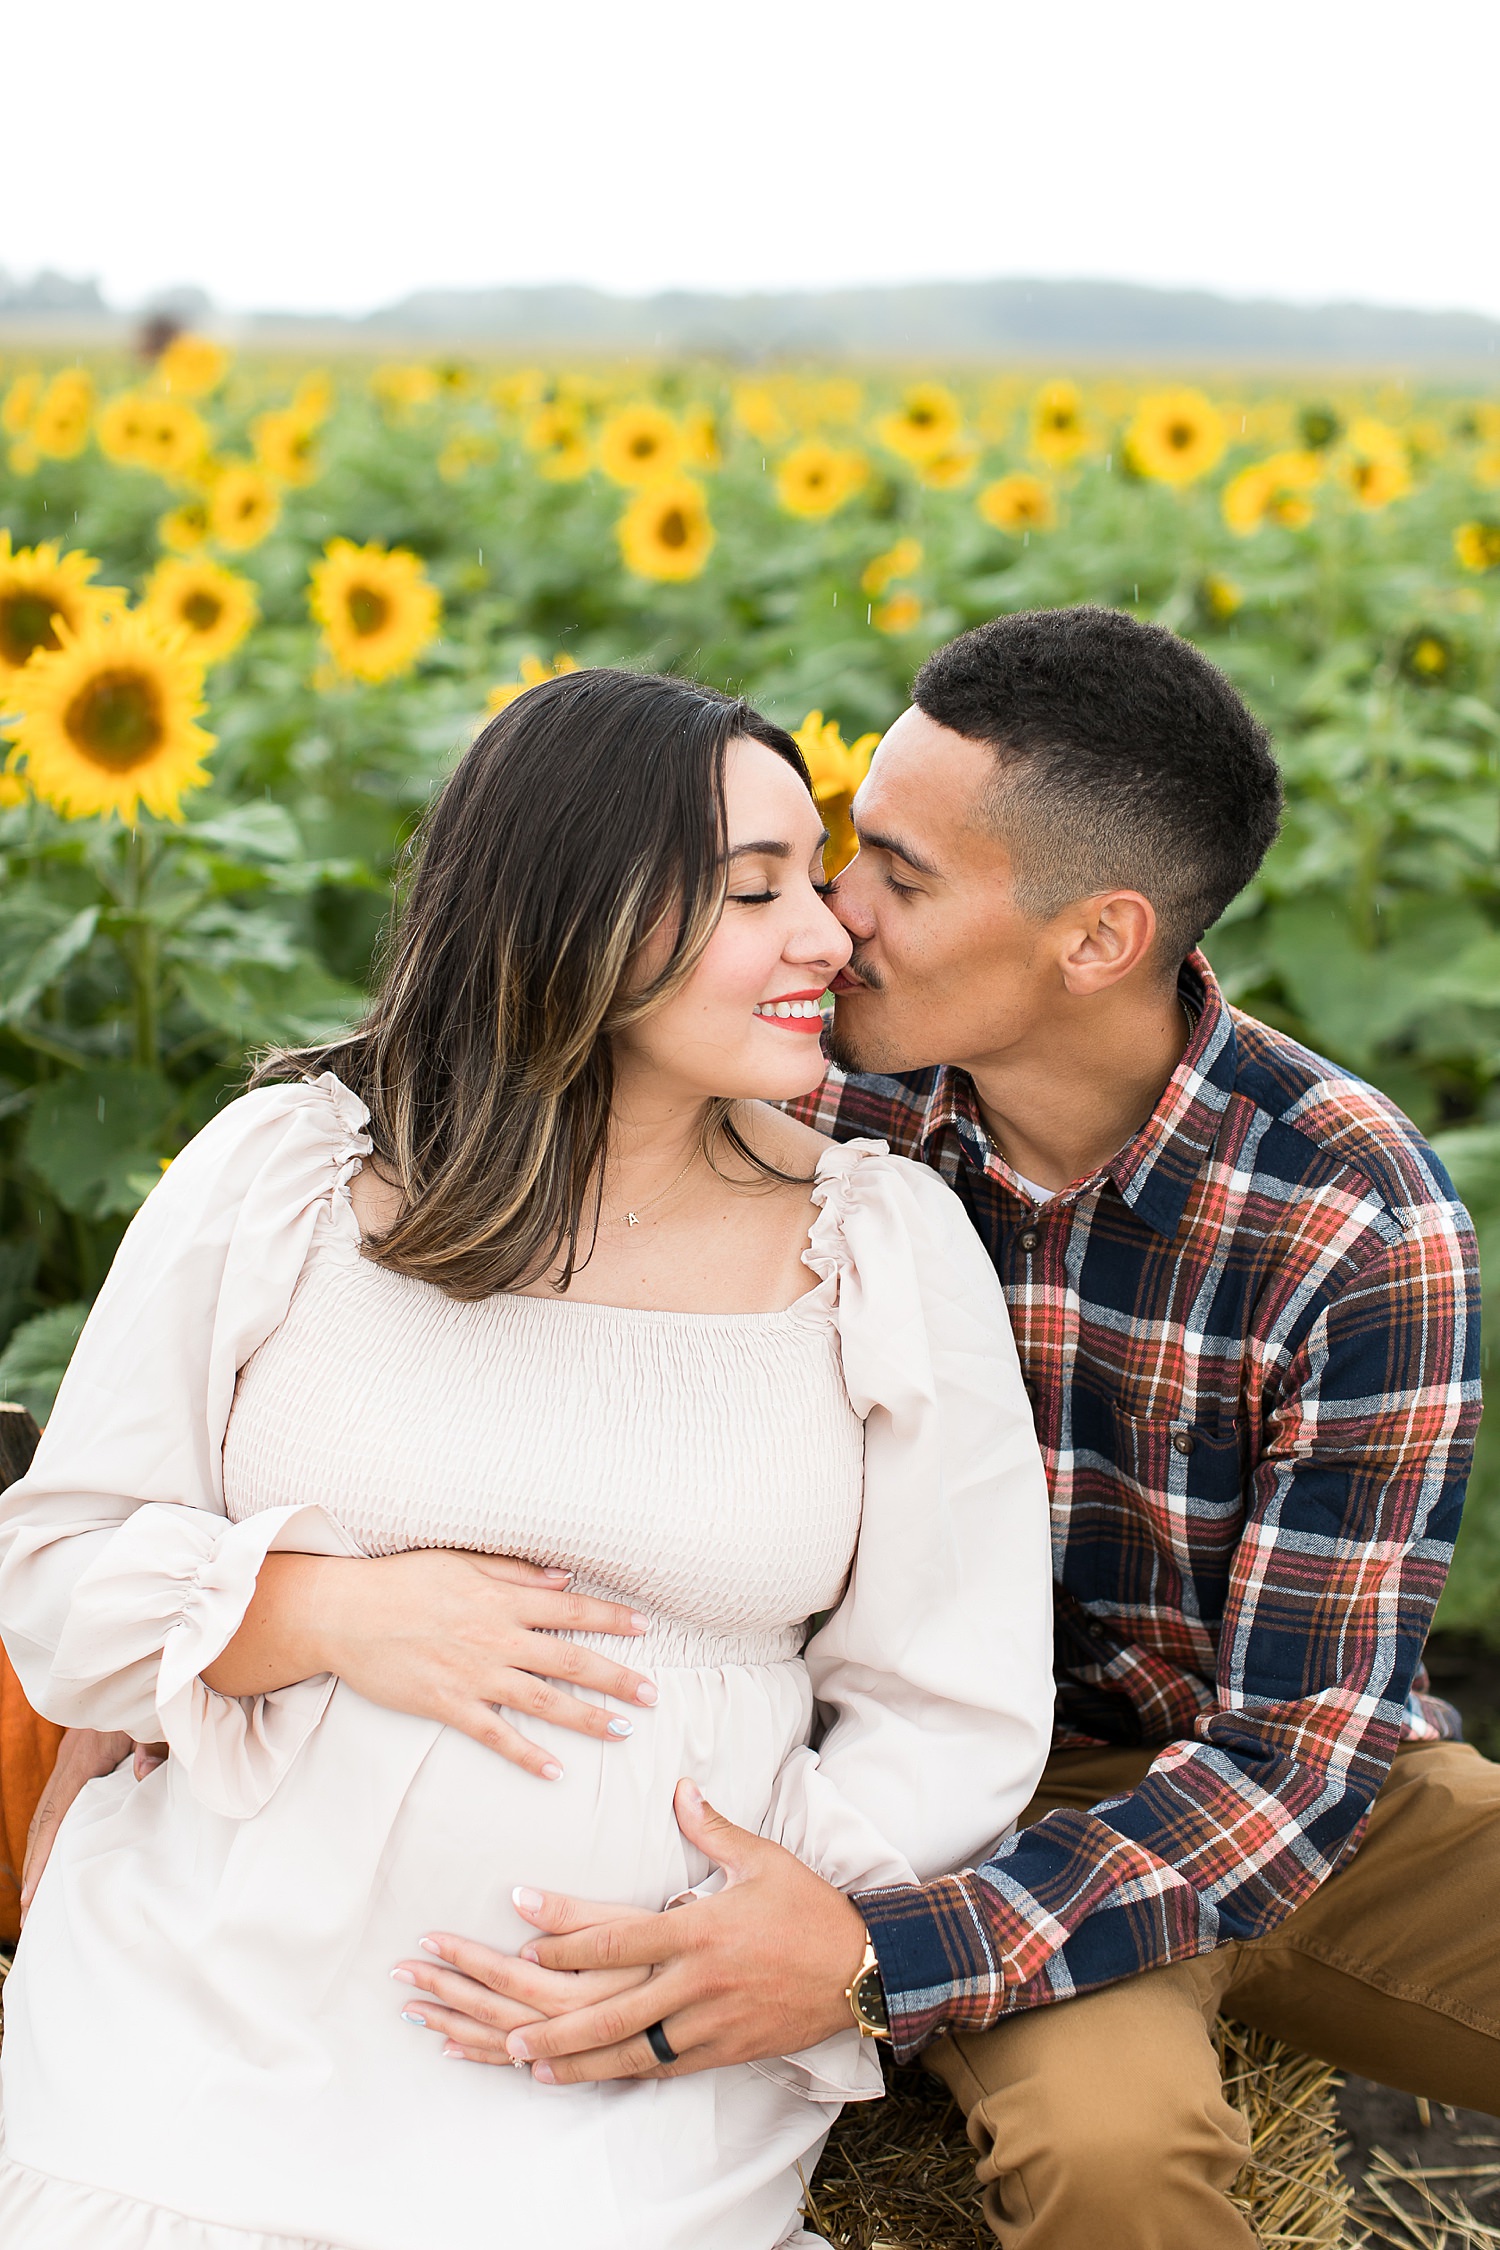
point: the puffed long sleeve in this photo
(933, 1676)
(120, 1576)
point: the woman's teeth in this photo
(785, 1008)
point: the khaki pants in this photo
(1102, 2120)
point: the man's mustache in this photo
(861, 974)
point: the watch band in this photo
(865, 1994)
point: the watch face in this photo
(869, 1996)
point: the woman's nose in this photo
(825, 941)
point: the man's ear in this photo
(1104, 939)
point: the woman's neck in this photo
(655, 1131)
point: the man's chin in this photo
(854, 1044)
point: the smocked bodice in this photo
(706, 1468)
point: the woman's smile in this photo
(793, 1011)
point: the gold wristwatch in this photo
(866, 1997)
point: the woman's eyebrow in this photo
(763, 850)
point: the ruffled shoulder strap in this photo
(906, 1257)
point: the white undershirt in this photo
(1037, 1194)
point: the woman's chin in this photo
(780, 1078)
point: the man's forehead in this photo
(928, 777)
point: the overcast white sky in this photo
(337, 153)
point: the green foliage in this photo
(136, 970)
(35, 1360)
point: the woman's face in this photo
(746, 1024)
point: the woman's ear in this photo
(1108, 937)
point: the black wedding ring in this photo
(660, 2045)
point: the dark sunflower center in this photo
(922, 417)
(672, 531)
(1180, 436)
(202, 610)
(643, 445)
(368, 610)
(25, 625)
(248, 506)
(116, 719)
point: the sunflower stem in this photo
(144, 953)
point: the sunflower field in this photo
(251, 610)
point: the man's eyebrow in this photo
(871, 842)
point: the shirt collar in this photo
(1155, 1170)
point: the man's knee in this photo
(1096, 2107)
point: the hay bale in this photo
(899, 2174)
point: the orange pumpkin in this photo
(28, 1752)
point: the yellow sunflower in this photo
(898, 615)
(1220, 597)
(949, 470)
(1477, 544)
(1018, 502)
(1176, 436)
(816, 479)
(700, 438)
(284, 448)
(640, 443)
(377, 607)
(1059, 432)
(926, 423)
(520, 391)
(665, 532)
(1274, 489)
(142, 432)
(757, 412)
(400, 388)
(211, 607)
(557, 436)
(837, 769)
(60, 426)
(243, 507)
(184, 529)
(107, 720)
(1375, 464)
(465, 450)
(897, 562)
(42, 593)
(121, 428)
(21, 401)
(533, 672)
(312, 400)
(192, 366)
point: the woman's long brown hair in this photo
(586, 820)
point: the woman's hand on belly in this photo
(441, 1634)
(478, 2002)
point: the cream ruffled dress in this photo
(203, 2047)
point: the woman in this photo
(524, 1267)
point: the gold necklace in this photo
(632, 1218)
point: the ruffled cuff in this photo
(175, 1584)
(844, 2068)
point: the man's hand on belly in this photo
(761, 1968)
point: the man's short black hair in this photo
(1124, 760)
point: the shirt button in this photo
(1182, 1441)
(1029, 1239)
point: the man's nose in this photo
(847, 904)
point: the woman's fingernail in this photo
(559, 1577)
(692, 1792)
(452, 2053)
(645, 1693)
(403, 1976)
(545, 2073)
(430, 1945)
(525, 1901)
(551, 1772)
(639, 1620)
(409, 2015)
(517, 2048)
(621, 1726)
(528, 1953)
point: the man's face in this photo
(945, 968)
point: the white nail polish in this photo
(621, 1727)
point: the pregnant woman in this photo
(525, 1268)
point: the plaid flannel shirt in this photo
(1251, 1344)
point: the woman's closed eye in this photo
(768, 898)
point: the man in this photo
(1244, 1297)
